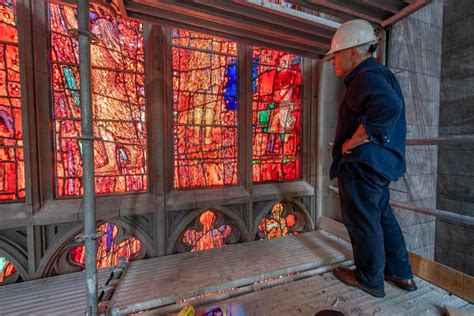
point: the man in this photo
(369, 153)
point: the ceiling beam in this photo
(175, 19)
(232, 20)
(259, 12)
(392, 6)
(288, 13)
(412, 7)
(324, 6)
(360, 7)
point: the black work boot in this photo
(348, 277)
(405, 284)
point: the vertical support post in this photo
(87, 154)
(245, 64)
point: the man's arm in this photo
(376, 100)
(360, 137)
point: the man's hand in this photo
(360, 137)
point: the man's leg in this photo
(360, 192)
(396, 254)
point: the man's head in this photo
(347, 59)
(353, 42)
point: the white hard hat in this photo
(351, 34)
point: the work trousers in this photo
(376, 237)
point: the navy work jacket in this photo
(373, 98)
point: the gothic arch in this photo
(57, 251)
(300, 208)
(191, 216)
(17, 256)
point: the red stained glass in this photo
(6, 269)
(209, 236)
(276, 115)
(118, 103)
(280, 222)
(204, 110)
(108, 250)
(12, 175)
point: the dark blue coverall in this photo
(373, 98)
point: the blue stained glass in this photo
(230, 92)
(256, 61)
(110, 236)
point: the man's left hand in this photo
(351, 144)
(360, 137)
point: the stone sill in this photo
(281, 190)
(14, 215)
(70, 210)
(203, 198)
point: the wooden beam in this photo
(360, 7)
(387, 5)
(451, 280)
(414, 5)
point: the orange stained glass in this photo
(108, 250)
(276, 116)
(208, 237)
(278, 223)
(118, 103)
(204, 110)
(6, 269)
(12, 174)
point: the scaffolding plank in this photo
(308, 296)
(60, 295)
(166, 280)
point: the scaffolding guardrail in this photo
(443, 140)
(464, 219)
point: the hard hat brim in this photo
(328, 57)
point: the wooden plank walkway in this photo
(59, 295)
(308, 296)
(160, 281)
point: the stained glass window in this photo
(281, 221)
(109, 248)
(276, 87)
(118, 103)
(6, 269)
(210, 230)
(12, 175)
(204, 110)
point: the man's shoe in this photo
(348, 277)
(405, 284)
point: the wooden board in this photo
(165, 280)
(445, 277)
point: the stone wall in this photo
(454, 241)
(414, 55)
